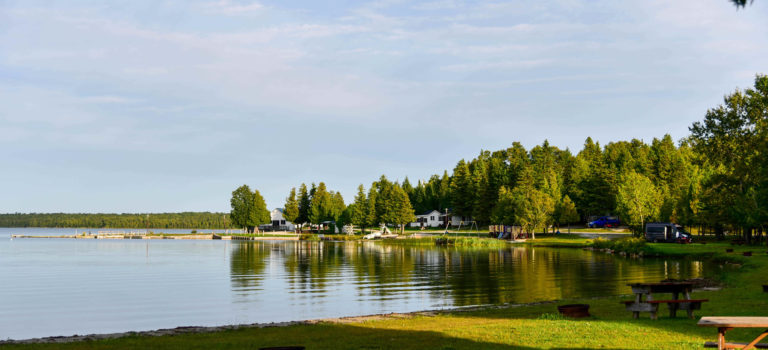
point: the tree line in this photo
(202, 220)
(715, 179)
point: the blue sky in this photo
(140, 106)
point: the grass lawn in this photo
(524, 327)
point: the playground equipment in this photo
(506, 232)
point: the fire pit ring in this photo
(574, 310)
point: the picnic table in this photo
(725, 324)
(645, 301)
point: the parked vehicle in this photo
(604, 221)
(666, 232)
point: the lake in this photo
(65, 286)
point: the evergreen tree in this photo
(359, 215)
(319, 207)
(504, 211)
(399, 210)
(260, 214)
(481, 208)
(408, 188)
(444, 194)
(420, 198)
(462, 190)
(371, 218)
(291, 211)
(304, 203)
(336, 209)
(384, 198)
(517, 158)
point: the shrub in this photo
(629, 245)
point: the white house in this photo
(434, 218)
(278, 222)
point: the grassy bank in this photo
(458, 241)
(524, 327)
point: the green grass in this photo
(524, 327)
(562, 240)
(448, 240)
(595, 230)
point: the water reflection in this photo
(393, 276)
(164, 284)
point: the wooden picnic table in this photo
(645, 301)
(725, 324)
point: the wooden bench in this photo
(713, 344)
(652, 306)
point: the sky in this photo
(167, 106)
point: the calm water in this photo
(64, 287)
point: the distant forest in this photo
(200, 220)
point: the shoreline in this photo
(212, 329)
(207, 237)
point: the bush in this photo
(629, 245)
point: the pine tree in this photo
(359, 215)
(481, 208)
(337, 206)
(291, 211)
(304, 202)
(408, 188)
(400, 212)
(462, 190)
(371, 218)
(320, 203)
(443, 193)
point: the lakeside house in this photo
(435, 218)
(278, 222)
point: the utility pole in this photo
(446, 221)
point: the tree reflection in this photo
(444, 275)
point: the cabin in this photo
(434, 218)
(278, 222)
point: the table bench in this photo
(645, 302)
(652, 306)
(712, 344)
(724, 324)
